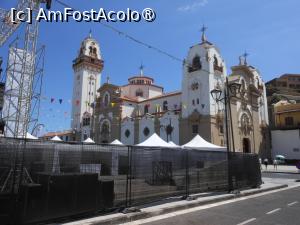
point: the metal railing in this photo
(72, 179)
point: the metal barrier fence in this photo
(41, 181)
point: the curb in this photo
(130, 217)
(281, 172)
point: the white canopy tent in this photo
(56, 138)
(117, 142)
(31, 137)
(173, 144)
(155, 141)
(89, 141)
(199, 143)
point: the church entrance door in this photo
(246, 145)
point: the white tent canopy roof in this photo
(29, 136)
(117, 142)
(200, 144)
(56, 138)
(89, 141)
(155, 141)
(173, 144)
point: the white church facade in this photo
(134, 111)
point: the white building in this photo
(87, 77)
(286, 143)
(134, 111)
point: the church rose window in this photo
(127, 133)
(146, 131)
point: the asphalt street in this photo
(281, 175)
(280, 208)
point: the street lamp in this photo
(168, 129)
(230, 90)
(216, 94)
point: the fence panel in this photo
(156, 173)
(61, 180)
(208, 171)
(244, 170)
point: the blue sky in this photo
(268, 29)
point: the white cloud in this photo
(193, 6)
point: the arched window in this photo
(86, 121)
(106, 100)
(139, 93)
(165, 106)
(95, 52)
(216, 62)
(146, 109)
(105, 128)
(216, 65)
(91, 50)
(196, 64)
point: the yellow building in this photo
(287, 115)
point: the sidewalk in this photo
(280, 169)
(162, 208)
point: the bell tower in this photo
(87, 78)
(203, 70)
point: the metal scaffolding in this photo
(24, 75)
(22, 91)
(23, 80)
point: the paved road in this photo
(280, 208)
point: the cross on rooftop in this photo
(203, 30)
(141, 69)
(245, 55)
